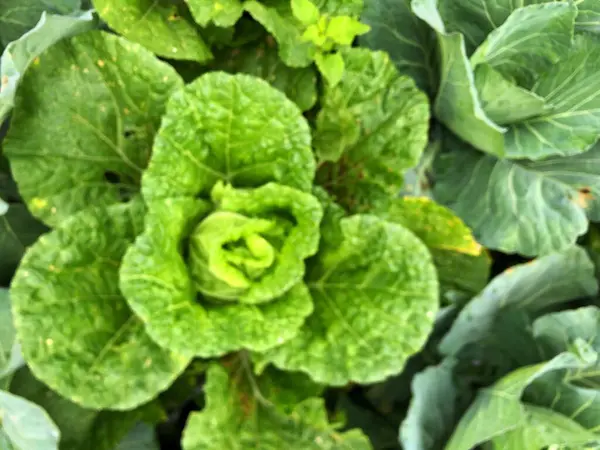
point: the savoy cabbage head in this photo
(207, 235)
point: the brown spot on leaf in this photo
(583, 197)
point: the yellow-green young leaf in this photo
(368, 281)
(163, 27)
(271, 412)
(223, 13)
(388, 136)
(305, 11)
(234, 154)
(87, 140)
(331, 67)
(343, 29)
(91, 349)
(297, 49)
(437, 226)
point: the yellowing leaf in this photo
(437, 226)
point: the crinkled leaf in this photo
(26, 425)
(571, 124)
(502, 100)
(260, 59)
(461, 265)
(373, 126)
(91, 349)
(374, 279)
(234, 128)
(409, 41)
(243, 412)
(223, 13)
(18, 230)
(86, 140)
(457, 104)
(19, 16)
(240, 130)
(163, 27)
(156, 282)
(433, 408)
(532, 208)
(531, 287)
(19, 54)
(531, 40)
(270, 260)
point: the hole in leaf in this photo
(112, 177)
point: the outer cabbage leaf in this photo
(409, 41)
(531, 287)
(432, 410)
(241, 284)
(372, 127)
(532, 208)
(19, 54)
(10, 350)
(19, 16)
(572, 122)
(476, 19)
(80, 428)
(25, 425)
(164, 28)
(574, 393)
(503, 100)
(498, 410)
(588, 18)
(141, 437)
(86, 140)
(531, 40)
(371, 280)
(260, 59)
(91, 349)
(457, 104)
(243, 412)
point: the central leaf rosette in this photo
(251, 249)
(231, 220)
